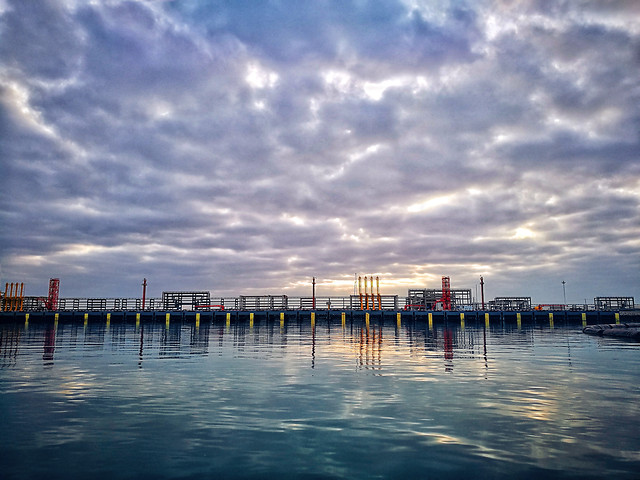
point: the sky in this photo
(244, 147)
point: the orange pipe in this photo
(21, 296)
(366, 294)
(11, 297)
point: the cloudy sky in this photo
(243, 147)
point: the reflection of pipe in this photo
(360, 291)
(210, 306)
(448, 345)
(49, 344)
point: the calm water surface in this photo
(330, 401)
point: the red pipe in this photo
(210, 306)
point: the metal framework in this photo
(614, 303)
(446, 293)
(510, 303)
(428, 298)
(54, 291)
(265, 302)
(11, 300)
(180, 300)
(424, 299)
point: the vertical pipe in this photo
(6, 288)
(482, 291)
(14, 299)
(366, 294)
(378, 293)
(359, 292)
(314, 293)
(21, 295)
(10, 298)
(144, 292)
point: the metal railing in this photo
(279, 303)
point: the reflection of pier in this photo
(9, 341)
(372, 344)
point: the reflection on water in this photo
(245, 400)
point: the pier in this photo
(430, 318)
(431, 306)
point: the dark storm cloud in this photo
(244, 147)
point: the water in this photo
(326, 402)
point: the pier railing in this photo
(269, 303)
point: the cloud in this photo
(245, 148)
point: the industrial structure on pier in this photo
(443, 299)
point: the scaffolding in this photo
(510, 303)
(54, 290)
(263, 302)
(428, 298)
(614, 303)
(185, 300)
